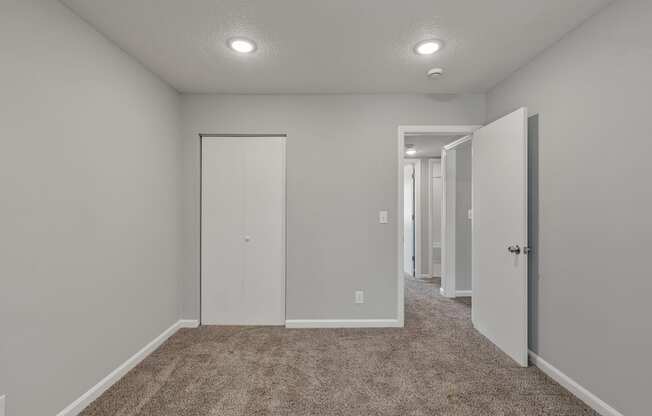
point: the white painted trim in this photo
(188, 323)
(448, 215)
(416, 163)
(458, 142)
(441, 130)
(463, 293)
(429, 215)
(431, 244)
(74, 408)
(574, 387)
(3, 404)
(343, 323)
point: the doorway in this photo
(497, 181)
(242, 230)
(427, 141)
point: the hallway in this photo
(437, 365)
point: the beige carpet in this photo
(437, 365)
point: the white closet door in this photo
(243, 231)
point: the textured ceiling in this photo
(333, 46)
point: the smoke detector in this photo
(435, 72)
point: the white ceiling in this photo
(333, 46)
(429, 146)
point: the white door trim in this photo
(449, 216)
(441, 130)
(431, 161)
(416, 163)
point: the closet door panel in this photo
(264, 209)
(222, 243)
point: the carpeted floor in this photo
(437, 365)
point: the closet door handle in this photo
(514, 249)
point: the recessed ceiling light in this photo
(242, 45)
(410, 150)
(428, 47)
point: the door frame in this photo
(284, 210)
(416, 165)
(403, 130)
(431, 162)
(448, 241)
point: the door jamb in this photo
(449, 216)
(416, 163)
(431, 162)
(441, 130)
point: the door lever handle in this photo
(514, 249)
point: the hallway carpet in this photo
(437, 365)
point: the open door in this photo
(409, 265)
(500, 233)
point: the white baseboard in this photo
(463, 293)
(96, 391)
(571, 385)
(188, 323)
(343, 323)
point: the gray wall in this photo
(463, 196)
(341, 170)
(590, 287)
(89, 165)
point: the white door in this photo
(243, 231)
(408, 219)
(500, 233)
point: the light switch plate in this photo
(359, 296)
(383, 217)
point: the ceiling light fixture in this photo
(428, 47)
(410, 150)
(242, 45)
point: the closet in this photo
(243, 230)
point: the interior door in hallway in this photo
(409, 232)
(500, 233)
(243, 230)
